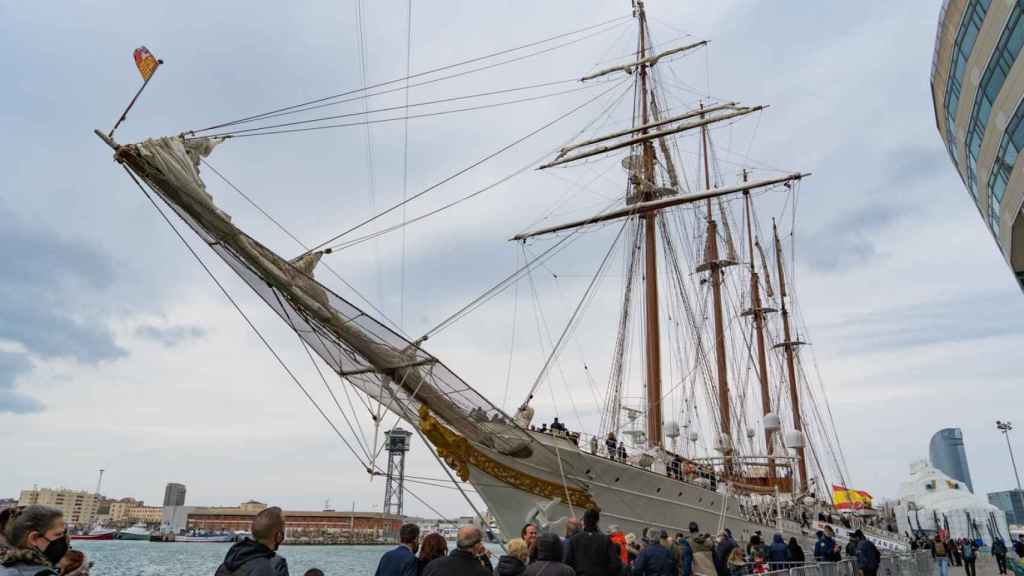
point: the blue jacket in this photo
(868, 555)
(398, 562)
(655, 560)
(778, 551)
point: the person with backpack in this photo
(868, 556)
(970, 555)
(941, 555)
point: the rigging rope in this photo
(405, 154)
(272, 129)
(575, 314)
(463, 170)
(406, 106)
(300, 107)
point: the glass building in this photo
(946, 452)
(174, 494)
(1011, 502)
(977, 88)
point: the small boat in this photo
(136, 532)
(207, 538)
(95, 534)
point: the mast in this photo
(758, 313)
(789, 346)
(713, 264)
(653, 329)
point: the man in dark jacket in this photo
(402, 560)
(723, 549)
(831, 550)
(258, 556)
(820, 553)
(655, 559)
(548, 562)
(462, 561)
(682, 553)
(591, 553)
(868, 556)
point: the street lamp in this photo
(1005, 428)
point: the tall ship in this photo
(709, 411)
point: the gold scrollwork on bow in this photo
(459, 454)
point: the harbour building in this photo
(79, 508)
(1011, 502)
(946, 453)
(977, 87)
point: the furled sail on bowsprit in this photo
(377, 360)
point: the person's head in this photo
(819, 534)
(630, 538)
(590, 519)
(468, 537)
(612, 528)
(793, 543)
(549, 547)
(663, 537)
(409, 534)
(829, 532)
(694, 528)
(518, 548)
(39, 528)
(314, 572)
(571, 525)
(268, 527)
(529, 534)
(433, 546)
(858, 534)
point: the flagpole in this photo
(136, 97)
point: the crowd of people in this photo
(963, 552)
(591, 551)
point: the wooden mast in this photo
(789, 345)
(713, 264)
(758, 312)
(653, 329)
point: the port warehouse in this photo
(359, 525)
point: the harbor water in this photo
(140, 558)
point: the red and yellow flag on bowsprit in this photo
(846, 499)
(145, 62)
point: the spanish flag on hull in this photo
(846, 499)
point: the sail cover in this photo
(373, 357)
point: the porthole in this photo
(679, 495)
(588, 472)
(658, 490)
(616, 478)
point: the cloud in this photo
(849, 240)
(170, 335)
(13, 365)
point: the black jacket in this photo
(549, 558)
(509, 566)
(593, 554)
(250, 558)
(457, 563)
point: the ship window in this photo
(587, 472)
(658, 491)
(679, 495)
(616, 478)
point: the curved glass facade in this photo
(1002, 59)
(1006, 158)
(966, 35)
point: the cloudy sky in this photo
(118, 352)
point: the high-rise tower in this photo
(947, 454)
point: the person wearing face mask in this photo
(38, 539)
(258, 556)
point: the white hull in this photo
(628, 496)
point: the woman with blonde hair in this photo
(513, 563)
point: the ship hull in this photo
(99, 536)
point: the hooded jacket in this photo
(509, 566)
(778, 552)
(655, 560)
(549, 558)
(251, 558)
